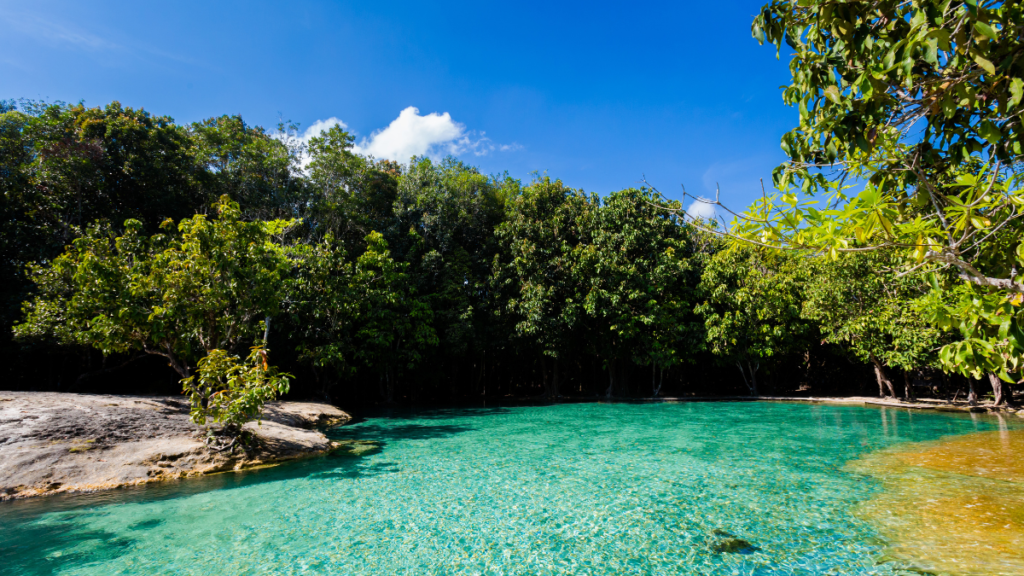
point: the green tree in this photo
(535, 271)
(921, 102)
(859, 302)
(394, 325)
(347, 196)
(751, 308)
(638, 283)
(214, 285)
(250, 165)
(231, 391)
(322, 309)
(446, 216)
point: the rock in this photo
(725, 542)
(54, 442)
(356, 447)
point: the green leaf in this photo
(832, 93)
(985, 29)
(1016, 91)
(990, 132)
(758, 33)
(985, 64)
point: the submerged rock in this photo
(728, 543)
(356, 447)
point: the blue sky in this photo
(597, 94)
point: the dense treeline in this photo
(134, 247)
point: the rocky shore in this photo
(55, 442)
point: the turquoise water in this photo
(564, 489)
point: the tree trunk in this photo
(544, 378)
(657, 383)
(750, 381)
(611, 379)
(480, 391)
(908, 387)
(883, 378)
(972, 396)
(390, 377)
(997, 389)
(554, 381)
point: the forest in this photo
(140, 255)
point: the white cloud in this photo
(321, 126)
(698, 209)
(411, 134)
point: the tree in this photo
(394, 325)
(751, 300)
(64, 167)
(637, 283)
(446, 216)
(231, 391)
(535, 270)
(856, 300)
(248, 164)
(347, 196)
(213, 286)
(989, 327)
(323, 310)
(920, 105)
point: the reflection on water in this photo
(953, 506)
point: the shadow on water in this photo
(432, 413)
(20, 511)
(46, 536)
(66, 545)
(386, 433)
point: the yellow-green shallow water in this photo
(695, 488)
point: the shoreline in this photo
(53, 442)
(920, 404)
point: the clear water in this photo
(564, 489)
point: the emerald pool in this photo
(597, 488)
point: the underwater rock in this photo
(355, 447)
(728, 543)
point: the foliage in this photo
(864, 68)
(394, 328)
(920, 105)
(751, 300)
(536, 268)
(990, 329)
(433, 281)
(613, 274)
(176, 296)
(859, 301)
(638, 281)
(323, 309)
(228, 390)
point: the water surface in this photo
(564, 489)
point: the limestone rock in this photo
(53, 442)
